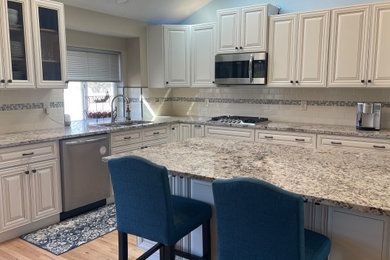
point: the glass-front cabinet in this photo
(50, 43)
(32, 30)
(17, 55)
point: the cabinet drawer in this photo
(155, 142)
(352, 143)
(27, 154)
(126, 138)
(126, 148)
(231, 133)
(155, 133)
(296, 139)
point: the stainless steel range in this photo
(239, 120)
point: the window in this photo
(94, 80)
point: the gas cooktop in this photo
(239, 120)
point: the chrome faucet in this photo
(114, 112)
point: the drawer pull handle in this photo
(144, 147)
(173, 128)
(156, 133)
(198, 126)
(336, 143)
(27, 172)
(268, 137)
(380, 146)
(28, 154)
(300, 139)
(127, 138)
(34, 171)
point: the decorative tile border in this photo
(29, 106)
(257, 101)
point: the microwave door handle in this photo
(250, 69)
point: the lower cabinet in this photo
(185, 131)
(358, 236)
(175, 133)
(29, 193)
(234, 133)
(198, 130)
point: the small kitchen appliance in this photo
(241, 69)
(368, 116)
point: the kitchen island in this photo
(347, 192)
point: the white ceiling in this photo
(150, 11)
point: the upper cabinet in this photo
(18, 66)
(379, 65)
(22, 44)
(169, 56)
(298, 49)
(243, 29)
(181, 55)
(203, 55)
(349, 46)
(49, 43)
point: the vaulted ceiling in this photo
(150, 11)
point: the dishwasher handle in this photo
(87, 141)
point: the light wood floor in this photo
(103, 248)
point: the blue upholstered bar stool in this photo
(259, 221)
(146, 208)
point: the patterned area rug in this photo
(74, 232)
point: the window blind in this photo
(93, 65)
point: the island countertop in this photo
(346, 179)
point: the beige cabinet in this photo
(198, 130)
(31, 189)
(379, 65)
(234, 133)
(298, 51)
(177, 55)
(48, 21)
(203, 55)
(349, 46)
(45, 184)
(185, 131)
(286, 138)
(174, 133)
(14, 198)
(282, 50)
(243, 29)
(168, 50)
(17, 44)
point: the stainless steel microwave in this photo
(241, 69)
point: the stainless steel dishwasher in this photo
(85, 178)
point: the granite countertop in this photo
(346, 179)
(87, 128)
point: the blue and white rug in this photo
(74, 232)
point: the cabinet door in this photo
(282, 51)
(312, 54)
(177, 55)
(228, 27)
(254, 24)
(14, 198)
(198, 130)
(203, 55)
(45, 189)
(348, 47)
(18, 47)
(50, 43)
(185, 131)
(357, 236)
(379, 67)
(175, 133)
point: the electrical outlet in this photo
(304, 105)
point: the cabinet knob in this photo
(297, 81)
(213, 82)
(362, 81)
(34, 171)
(167, 82)
(10, 81)
(241, 48)
(27, 172)
(369, 81)
(2, 81)
(292, 82)
(236, 48)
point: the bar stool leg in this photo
(122, 239)
(206, 240)
(167, 253)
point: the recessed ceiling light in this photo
(121, 1)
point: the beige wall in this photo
(82, 20)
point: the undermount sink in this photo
(127, 123)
